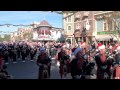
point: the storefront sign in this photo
(44, 37)
(106, 32)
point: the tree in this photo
(18, 38)
(61, 39)
(27, 36)
(114, 18)
(5, 38)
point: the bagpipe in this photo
(45, 74)
(86, 68)
(44, 71)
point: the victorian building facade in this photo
(68, 26)
(89, 24)
(83, 25)
(45, 32)
(105, 30)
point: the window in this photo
(65, 19)
(114, 24)
(69, 27)
(69, 19)
(78, 26)
(105, 26)
(110, 26)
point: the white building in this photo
(45, 32)
(68, 25)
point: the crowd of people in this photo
(82, 59)
(13, 51)
(79, 60)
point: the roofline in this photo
(49, 26)
(45, 25)
(103, 12)
(45, 21)
(57, 28)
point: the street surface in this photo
(29, 70)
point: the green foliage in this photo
(27, 36)
(61, 40)
(68, 40)
(5, 38)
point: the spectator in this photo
(1, 60)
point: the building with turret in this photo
(46, 32)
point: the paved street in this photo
(29, 70)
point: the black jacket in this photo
(45, 61)
(74, 69)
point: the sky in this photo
(27, 18)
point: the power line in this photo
(8, 25)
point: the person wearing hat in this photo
(63, 58)
(116, 70)
(1, 60)
(103, 64)
(77, 64)
(32, 54)
(43, 61)
(23, 54)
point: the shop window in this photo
(105, 26)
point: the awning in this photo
(105, 37)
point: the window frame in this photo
(70, 27)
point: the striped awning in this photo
(105, 37)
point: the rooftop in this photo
(44, 23)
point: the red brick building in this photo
(84, 25)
